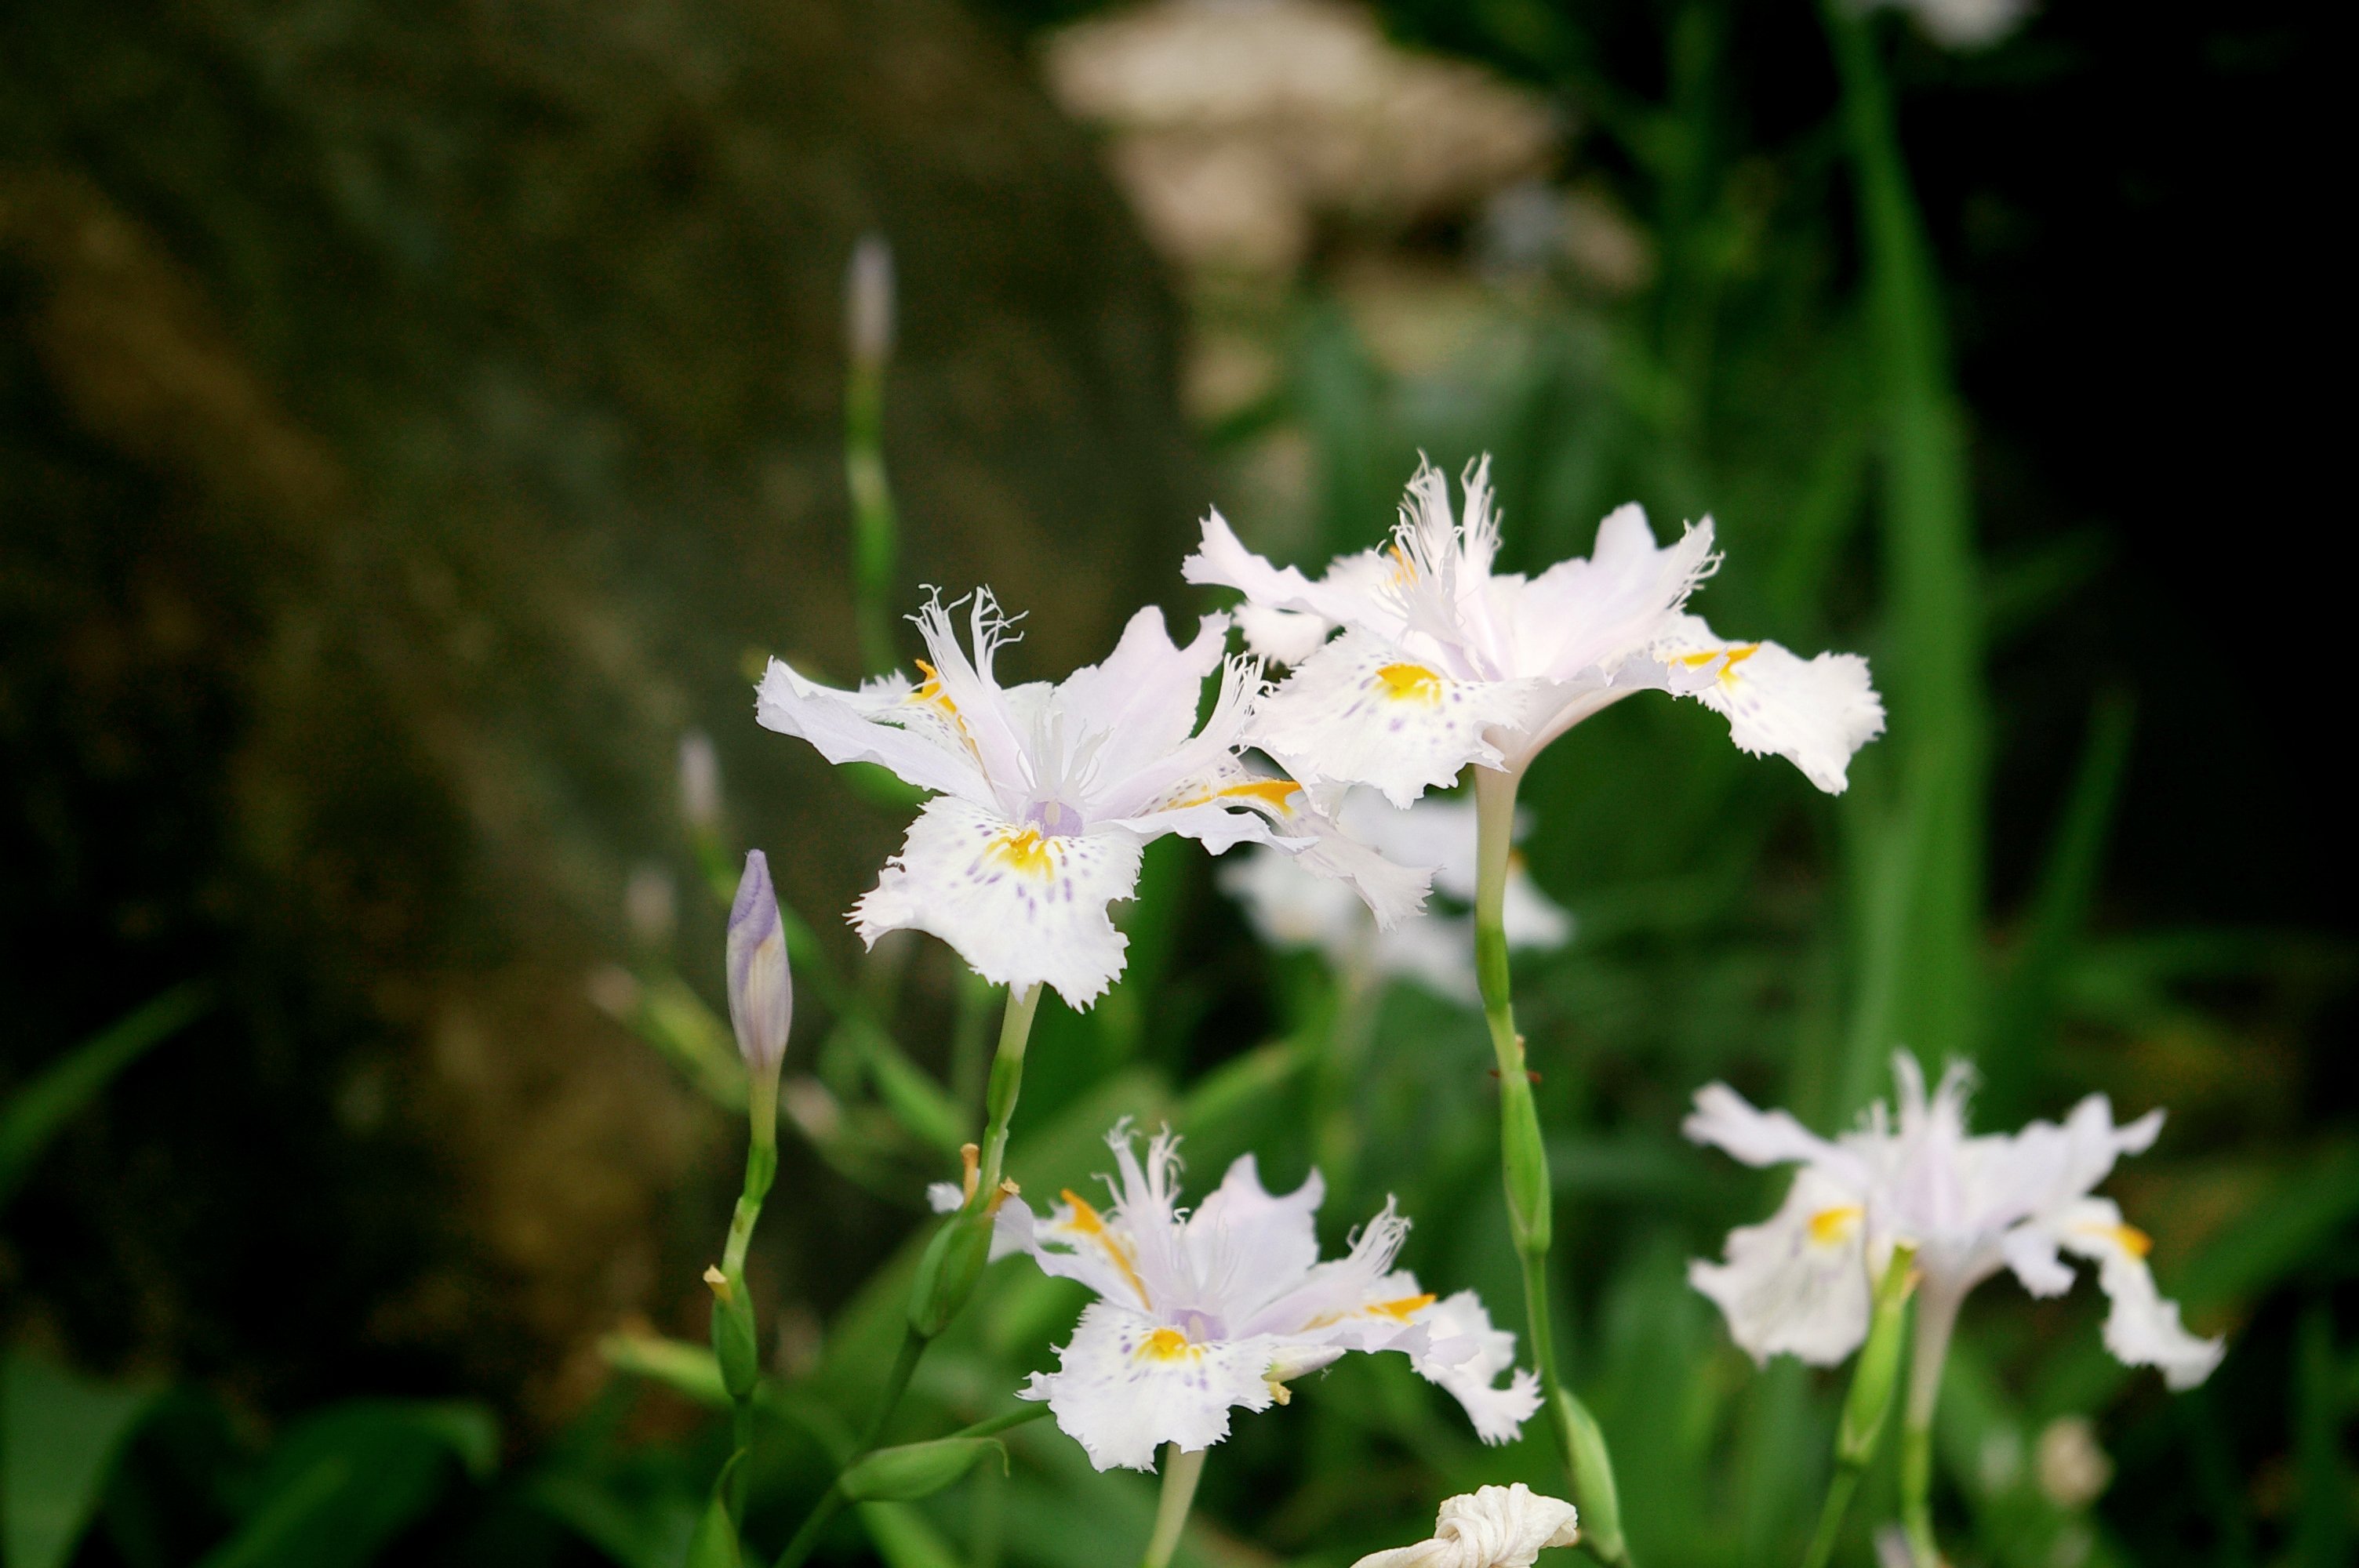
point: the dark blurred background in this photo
(415, 420)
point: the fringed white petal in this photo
(1465, 1355)
(892, 728)
(1126, 1386)
(1815, 713)
(1798, 1284)
(1021, 908)
(1362, 711)
(1726, 1120)
(2142, 1329)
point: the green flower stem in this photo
(1181, 1471)
(876, 530)
(1937, 1317)
(735, 1344)
(952, 1262)
(1868, 1402)
(1006, 1083)
(1525, 1170)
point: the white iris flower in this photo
(1049, 793)
(1494, 1527)
(1291, 906)
(1972, 1206)
(1202, 1313)
(1441, 662)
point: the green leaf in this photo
(689, 1371)
(636, 1531)
(35, 1113)
(715, 1543)
(59, 1438)
(343, 1484)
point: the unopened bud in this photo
(947, 1273)
(1873, 1379)
(700, 782)
(868, 301)
(761, 989)
(916, 1470)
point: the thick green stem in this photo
(1181, 1471)
(1524, 1170)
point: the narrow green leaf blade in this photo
(58, 1439)
(35, 1113)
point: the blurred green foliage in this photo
(1786, 369)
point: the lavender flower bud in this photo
(761, 989)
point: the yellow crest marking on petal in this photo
(1403, 1309)
(1023, 849)
(1273, 792)
(1829, 1225)
(1409, 683)
(1735, 655)
(2128, 1237)
(1087, 1222)
(1168, 1344)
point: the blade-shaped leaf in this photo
(59, 1435)
(33, 1114)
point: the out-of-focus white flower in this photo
(2073, 1470)
(761, 986)
(700, 781)
(650, 907)
(1496, 1527)
(1961, 24)
(1971, 1205)
(1294, 907)
(1202, 1313)
(1048, 793)
(1442, 663)
(868, 301)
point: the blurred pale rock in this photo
(1241, 126)
(410, 420)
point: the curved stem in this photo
(1181, 1470)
